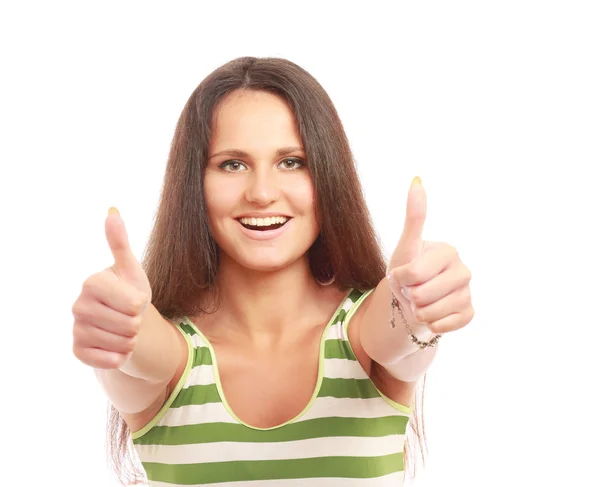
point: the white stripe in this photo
(347, 305)
(213, 412)
(341, 368)
(334, 332)
(322, 407)
(200, 375)
(335, 407)
(392, 480)
(197, 341)
(230, 451)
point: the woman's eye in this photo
(232, 166)
(291, 163)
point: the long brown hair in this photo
(181, 257)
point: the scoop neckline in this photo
(215, 371)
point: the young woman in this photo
(261, 341)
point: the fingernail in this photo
(416, 180)
(113, 211)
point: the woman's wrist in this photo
(418, 333)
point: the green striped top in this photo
(349, 434)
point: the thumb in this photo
(411, 241)
(126, 265)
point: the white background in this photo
(495, 105)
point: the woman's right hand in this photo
(108, 312)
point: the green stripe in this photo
(202, 356)
(337, 349)
(341, 388)
(301, 430)
(197, 395)
(340, 316)
(302, 468)
(348, 388)
(188, 329)
(355, 294)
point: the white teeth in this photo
(264, 222)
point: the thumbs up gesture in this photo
(429, 275)
(108, 312)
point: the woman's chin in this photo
(266, 263)
(266, 266)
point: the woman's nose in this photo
(262, 187)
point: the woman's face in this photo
(258, 189)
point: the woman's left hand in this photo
(430, 275)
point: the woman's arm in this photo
(158, 358)
(135, 352)
(431, 285)
(389, 347)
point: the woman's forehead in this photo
(254, 121)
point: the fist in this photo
(429, 275)
(108, 312)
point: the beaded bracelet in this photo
(431, 343)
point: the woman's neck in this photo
(262, 305)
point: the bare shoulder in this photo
(399, 391)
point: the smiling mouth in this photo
(264, 224)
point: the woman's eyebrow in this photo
(238, 153)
